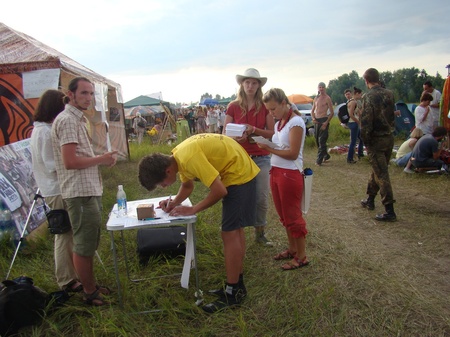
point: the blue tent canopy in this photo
(209, 101)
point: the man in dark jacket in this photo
(377, 125)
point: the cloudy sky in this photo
(184, 48)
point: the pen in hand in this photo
(168, 201)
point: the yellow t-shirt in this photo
(206, 156)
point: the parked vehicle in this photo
(305, 112)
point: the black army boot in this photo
(389, 215)
(369, 203)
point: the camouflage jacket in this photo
(377, 114)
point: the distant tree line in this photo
(217, 97)
(407, 84)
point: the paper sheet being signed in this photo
(262, 140)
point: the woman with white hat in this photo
(248, 109)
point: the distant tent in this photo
(406, 121)
(144, 100)
(145, 111)
(209, 101)
(225, 101)
(299, 99)
(412, 107)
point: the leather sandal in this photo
(94, 299)
(284, 255)
(73, 286)
(295, 264)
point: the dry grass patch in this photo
(366, 278)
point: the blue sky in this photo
(184, 49)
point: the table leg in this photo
(198, 291)
(116, 269)
(125, 255)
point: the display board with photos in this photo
(18, 186)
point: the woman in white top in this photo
(49, 106)
(423, 114)
(286, 181)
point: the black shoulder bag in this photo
(58, 220)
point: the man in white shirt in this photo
(434, 106)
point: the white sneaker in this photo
(407, 170)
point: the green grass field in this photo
(365, 278)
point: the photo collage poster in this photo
(18, 186)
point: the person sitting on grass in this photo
(223, 165)
(405, 150)
(428, 149)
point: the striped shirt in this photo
(70, 127)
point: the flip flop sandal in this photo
(94, 299)
(291, 265)
(72, 287)
(284, 255)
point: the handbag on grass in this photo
(58, 219)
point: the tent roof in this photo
(21, 53)
(143, 100)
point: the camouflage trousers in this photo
(379, 153)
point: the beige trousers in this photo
(64, 269)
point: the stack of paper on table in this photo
(235, 130)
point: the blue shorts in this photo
(239, 206)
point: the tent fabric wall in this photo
(406, 121)
(20, 53)
(16, 112)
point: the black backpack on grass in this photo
(21, 304)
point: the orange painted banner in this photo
(445, 105)
(16, 112)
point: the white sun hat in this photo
(251, 73)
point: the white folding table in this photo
(162, 219)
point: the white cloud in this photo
(185, 48)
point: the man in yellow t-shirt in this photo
(221, 164)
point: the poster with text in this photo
(18, 186)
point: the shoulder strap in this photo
(297, 163)
(38, 196)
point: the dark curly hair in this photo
(152, 170)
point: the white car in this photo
(305, 112)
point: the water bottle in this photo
(121, 202)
